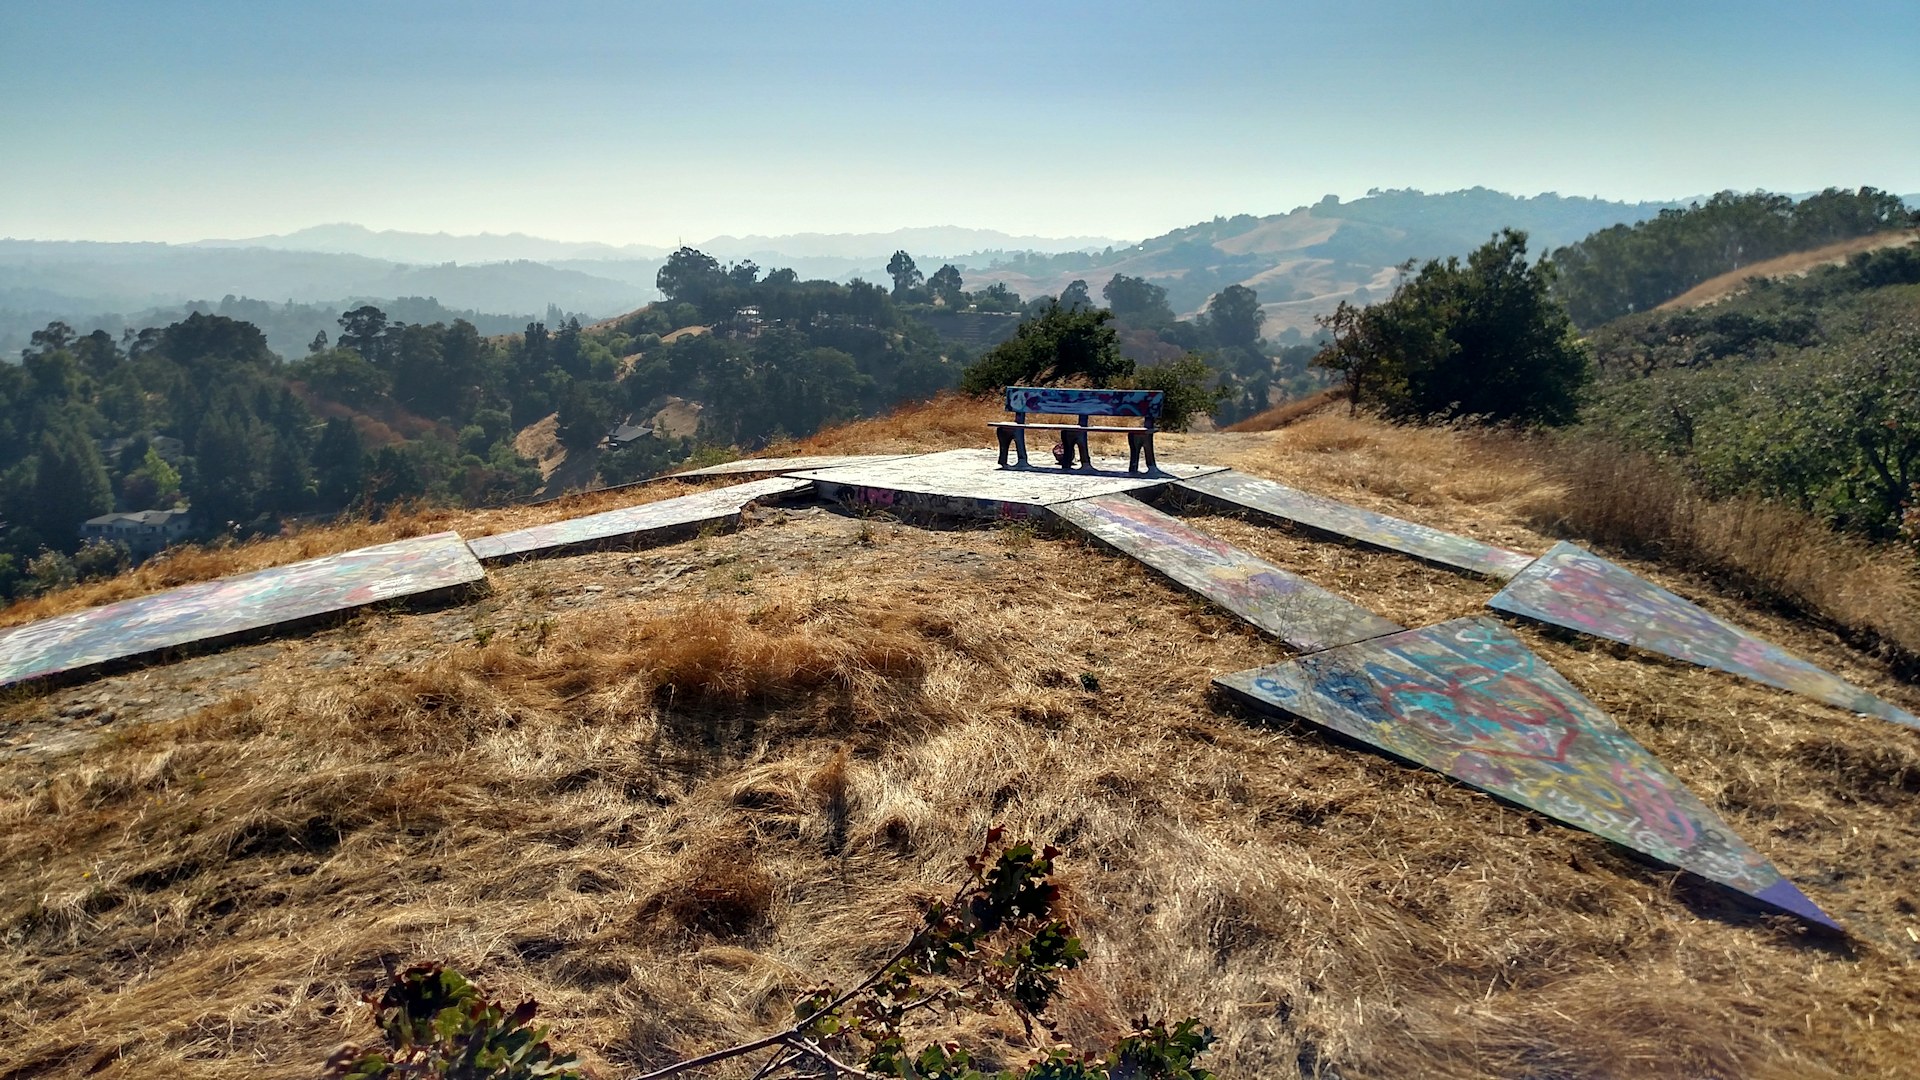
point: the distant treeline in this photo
(390, 405)
(288, 326)
(1629, 268)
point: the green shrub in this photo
(438, 1026)
(1192, 389)
(1060, 344)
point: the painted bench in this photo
(1085, 404)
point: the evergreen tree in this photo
(231, 460)
(1485, 339)
(946, 287)
(339, 463)
(1137, 302)
(906, 276)
(364, 330)
(70, 483)
(289, 477)
(1057, 346)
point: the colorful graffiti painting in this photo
(1573, 588)
(655, 522)
(1291, 608)
(976, 475)
(207, 612)
(1060, 400)
(1238, 491)
(1468, 699)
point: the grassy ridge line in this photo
(1798, 262)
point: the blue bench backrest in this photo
(1073, 402)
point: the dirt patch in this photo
(540, 442)
(678, 419)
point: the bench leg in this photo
(1006, 440)
(1139, 446)
(1086, 454)
(1020, 445)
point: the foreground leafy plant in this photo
(995, 944)
(439, 1027)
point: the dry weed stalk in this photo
(995, 943)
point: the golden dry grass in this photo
(1288, 412)
(1636, 504)
(663, 809)
(948, 422)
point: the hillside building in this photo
(145, 532)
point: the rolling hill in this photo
(1305, 261)
(1302, 262)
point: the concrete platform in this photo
(755, 466)
(1234, 491)
(971, 483)
(1301, 614)
(646, 525)
(212, 613)
(1468, 699)
(1573, 588)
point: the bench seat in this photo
(1084, 403)
(1102, 428)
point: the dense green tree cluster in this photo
(1802, 390)
(785, 356)
(202, 411)
(1069, 343)
(1630, 268)
(1060, 345)
(1484, 338)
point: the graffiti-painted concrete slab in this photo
(211, 612)
(972, 483)
(1238, 491)
(750, 466)
(650, 523)
(1576, 589)
(1288, 606)
(1468, 699)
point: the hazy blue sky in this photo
(655, 122)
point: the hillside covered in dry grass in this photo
(664, 791)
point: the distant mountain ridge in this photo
(936, 241)
(88, 278)
(393, 245)
(424, 248)
(1302, 263)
